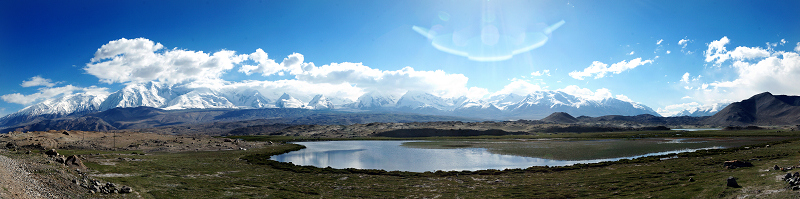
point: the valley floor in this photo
(217, 171)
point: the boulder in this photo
(65, 132)
(11, 145)
(74, 161)
(51, 152)
(736, 164)
(732, 182)
(126, 189)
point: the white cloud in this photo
(142, 60)
(716, 51)
(659, 41)
(683, 42)
(37, 81)
(586, 93)
(797, 49)
(685, 78)
(519, 87)
(677, 108)
(753, 70)
(293, 64)
(631, 53)
(783, 41)
(599, 69)
(50, 92)
(540, 73)
(668, 52)
(686, 97)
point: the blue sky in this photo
(634, 50)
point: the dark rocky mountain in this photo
(560, 117)
(761, 109)
(87, 123)
(645, 119)
(165, 121)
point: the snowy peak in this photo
(504, 100)
(374, 100)
(150, 94)
(287, 101)
(706, 110)
(320, 102)
(200, 98)
(248, 99)
(418, 100)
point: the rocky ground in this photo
(30, 166)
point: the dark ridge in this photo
(761, 109)
(429, 132)
(560, 117)
(81, 124)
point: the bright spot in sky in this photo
(485, 41)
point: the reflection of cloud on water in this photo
(390, 156)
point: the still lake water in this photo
(391, 156)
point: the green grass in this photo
(225, 174)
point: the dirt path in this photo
(16, 182)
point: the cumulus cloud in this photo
(685, 78)
(266, 66)
(668, 52)
(37, 81)
(631, 53)
(659, 41)
(142, 60)
(797, 49)
(754, 70)
(716, 51)
(50, 92)
(586, 93)
(599, 69)
(519, 87)
(398, 81)
(540, 73)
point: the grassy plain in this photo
(250, 173)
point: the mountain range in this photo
(534, 105)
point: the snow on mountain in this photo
(56, 107)
(199, 98)
(247, 99)
(535, 105)
(287, 101)
(706, 110)
(419, 100)
(374, 100)
(152, 94)
(504, 100)
(320, 102)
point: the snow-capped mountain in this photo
(375, 100)
(287, 101)
(152, 94)
(706, 110)
(420, 100)
(320, 102)
(57, 107)
(534, 105)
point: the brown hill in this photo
(761, 109)
(560, 117)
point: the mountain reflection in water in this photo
(390, 156)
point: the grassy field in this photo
(226, 174)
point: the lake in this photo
(458, 155)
